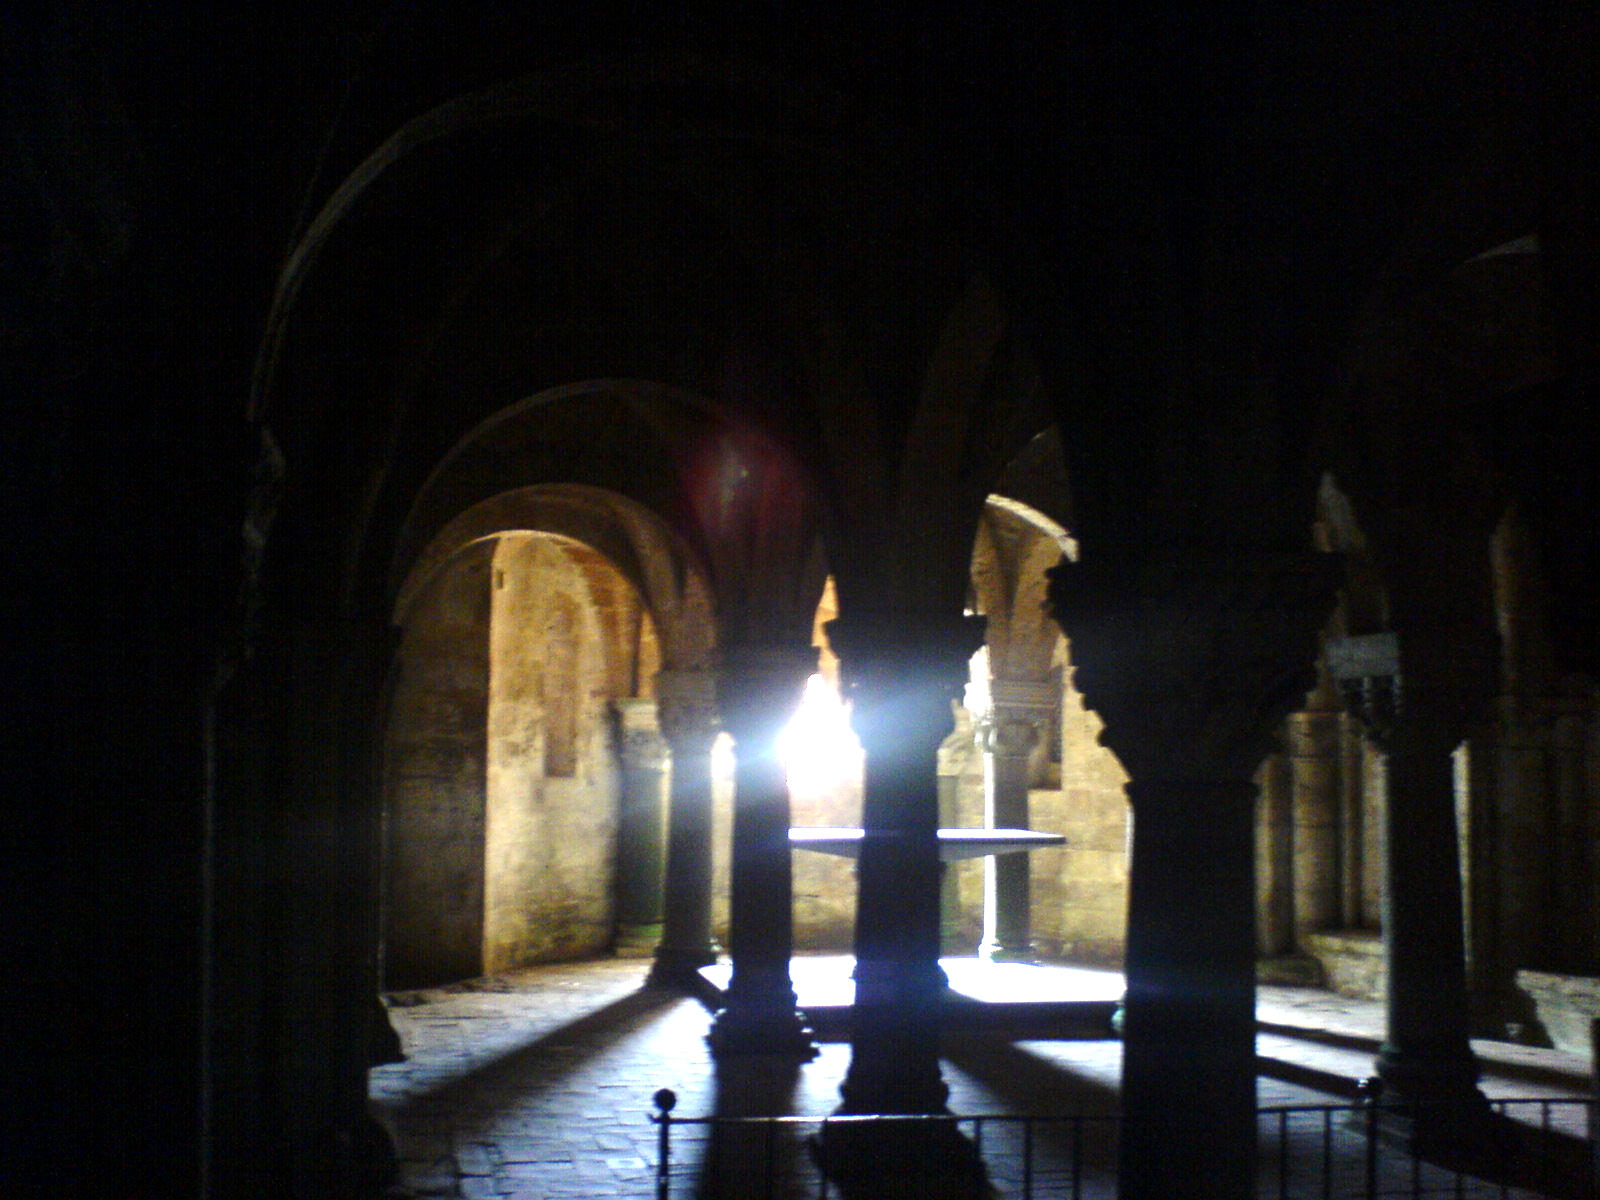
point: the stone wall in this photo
(1567, 1006)
(1351, 961)
(501, 775)
(435, 764)
(1080, 892)
(550, 836)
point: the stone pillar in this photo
(686, 711)
(1007, 735)
(954, 754)
(1524, 832)
(760, 687)
(1314, 770)
(901, 671)
(1425, 1058)
(641, 828)
(1188, 1057)
(1426, 1062)
(1352, 859)
(1274, 859)
(1192, 666)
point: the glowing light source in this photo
(818, 749)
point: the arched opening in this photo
(1025, 739)
(503, 759)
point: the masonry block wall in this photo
(552, 782)
(501, 773)
(1080, 892)
(435, 773)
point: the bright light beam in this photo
(818, 749)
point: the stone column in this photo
(1352, 753)
(686, 711)
(901, 672)
(641, 828)
(954, 755)
(1192, 665)
(1425, 1058)
(760, 687)
(1426, 1062)
(1007, 735)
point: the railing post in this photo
(1027, 1159)
(1327, 1154)
(1283, 1153)
(1369, 1092)
(665, 1100)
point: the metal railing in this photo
(1520, 1149)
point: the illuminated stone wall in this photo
(552, 779)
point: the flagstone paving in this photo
(537, 1084)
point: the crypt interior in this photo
(488, 476)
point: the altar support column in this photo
(760, 687)
(687, 714)
(1192, 667)
(1007, 734)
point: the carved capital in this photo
(901, 671)
(641, 744)
(1431, 688)
(1019, 714)
(1006, 737)
(1193, 665)
(686, 711)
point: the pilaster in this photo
(641, 828)
(1314, 771)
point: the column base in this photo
(680, 967)
(1411, 1077)
(1430, 1104)
(776, 1031)
(1000, 952)
(900, 1160)
(636, 941)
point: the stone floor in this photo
(538, 1084)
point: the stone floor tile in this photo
(539, 1083)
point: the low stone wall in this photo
(1566, 1005)
(1351, 961)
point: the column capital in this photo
(900, 671)
(1192, 664)
(1019, 711)
(641, 744)
(760, 685)
(686, 710)
(1006, 736)
(1425, 685)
